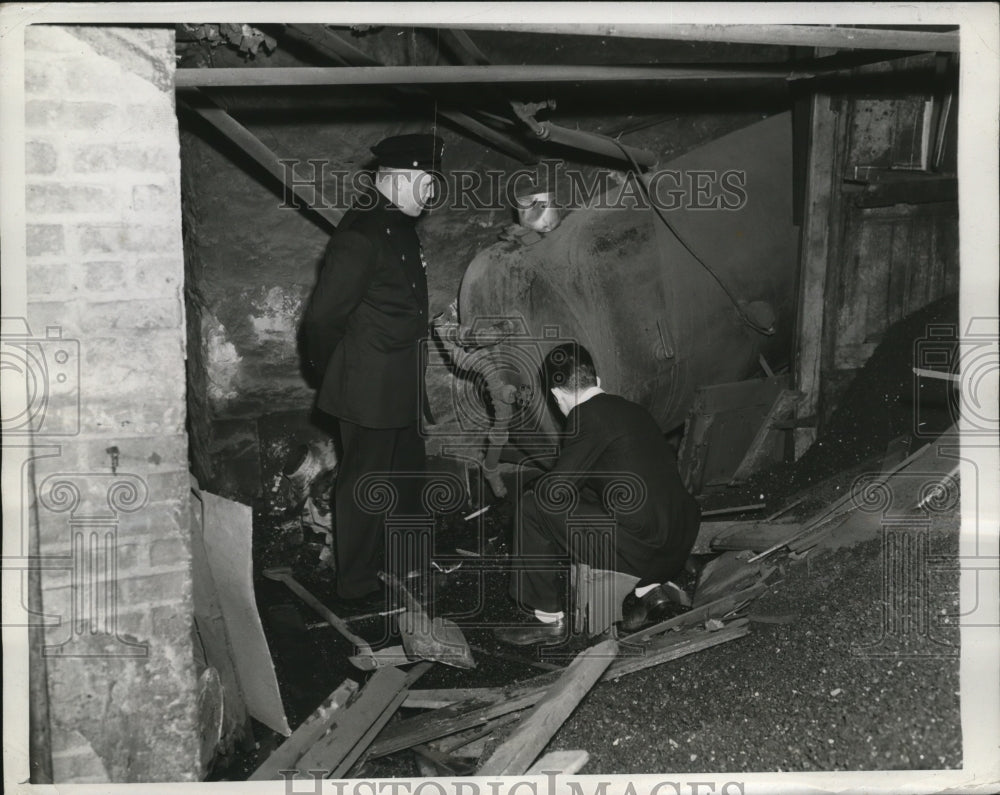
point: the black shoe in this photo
(533, 633)
(650, 608)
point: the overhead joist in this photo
(781, 35)
(451, 75)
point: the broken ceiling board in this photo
(286, 755)
(676, 646)
(227, 533)
(559, 763)
(529, 738)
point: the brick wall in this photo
(105, 267)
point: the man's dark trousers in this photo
(361, 535)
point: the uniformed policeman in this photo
(361, 333)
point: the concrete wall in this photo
(105, 268)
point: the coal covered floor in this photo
(836, 674)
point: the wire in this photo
(732, 299)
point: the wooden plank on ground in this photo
(529, 739)
(717, 609)
(445, 697)
(748, 535)
(673, 648)
(345, 739)
(459, 717)
(312, 729)
(728, 573)
(564, 763)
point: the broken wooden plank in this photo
(715, 535)
(352, 729)
(728, 573)
(360, 750)
(752, 536)
(472, 742)
(443, 763)
(305, 736)
(458, 717)
(445, 697)
(846, 502)
(531, 736)
(556, 763)
(673, 648)
(717, 609)
(756, 506)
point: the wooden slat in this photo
(458, 717)
(673, 648)
(312, 728)
(717, 609)
(355, 728)
(438, 699)
(531, 736)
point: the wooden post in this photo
(816, 240)
(529, 739)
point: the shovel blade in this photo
(440, 640)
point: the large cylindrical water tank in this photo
(642, 297)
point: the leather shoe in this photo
(533, 634)
(650, 608)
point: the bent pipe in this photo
(502, 395)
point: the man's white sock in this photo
(548, 618)
(645, 589)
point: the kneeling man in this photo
(609, 440)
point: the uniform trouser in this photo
(547, 542)
(399, 455)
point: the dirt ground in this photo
(851, 663)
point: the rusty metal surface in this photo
(619, 282)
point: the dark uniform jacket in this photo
(609, 436)
(367, 314)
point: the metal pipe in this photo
(591, 142)
(426, 75)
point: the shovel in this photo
(366, 659)
(440, 640)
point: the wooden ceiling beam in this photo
(445, 75)
(780, 35)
